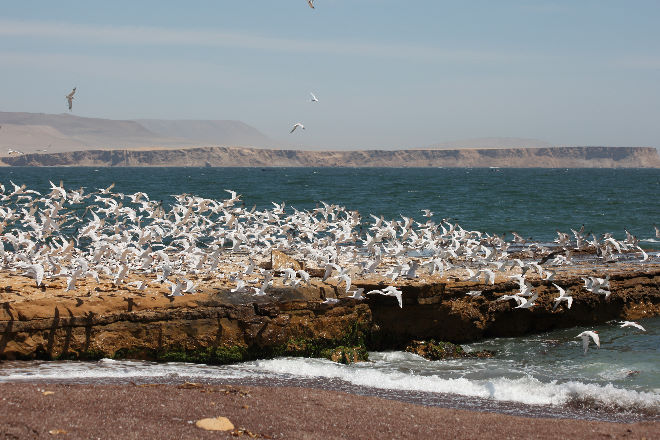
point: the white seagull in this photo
(296, 125)
(562, 297)
(314, 98)
(631, 324)
(585, 339)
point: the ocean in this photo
(537, 375)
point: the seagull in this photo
(139, 285)
(296, 125)
(314, 98)
(585, 339)
(529, 302)
(240, 286)
(175, 288)
(389, 291)
(356, 294)
(69, 98)
(562, 297)
(311, 3)
(631, 324)
(35, 271)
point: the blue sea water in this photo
(543, 374)
(533, 202)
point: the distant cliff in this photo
(556, 157)
(32, 132)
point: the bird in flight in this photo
(296, 125)
(314, 98)
(585, 339)
(631, 324)
(69, 98)
(310, 3)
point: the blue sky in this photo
(387, 73)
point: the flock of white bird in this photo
(120, 237)
(70, 234)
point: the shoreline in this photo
(157, 410)
(577, 408)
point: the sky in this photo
(387, 73)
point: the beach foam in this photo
(527, 390)
(381, 375)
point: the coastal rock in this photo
(280, 260)
(347, 355)
(435, 351)
(216, 326)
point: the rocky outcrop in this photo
(560, 157)
(216, 326)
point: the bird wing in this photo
(562, 292)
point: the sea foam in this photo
(526, 390)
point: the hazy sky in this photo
(387, 72)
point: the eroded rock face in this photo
(444, 312)
(557, 157)
(221, 327)
(199, 329)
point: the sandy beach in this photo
(170, 411)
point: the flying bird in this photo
(585, 339)
(314, 98)
(310, 3)
(69, 98)
(631, 324)
(296, 125)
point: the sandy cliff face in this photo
(559, 157)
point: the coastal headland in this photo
(216, 325)
(551, 157)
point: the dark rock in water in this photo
(435, 351)
(347, 355)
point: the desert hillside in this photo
(559, 157)
(41, 132)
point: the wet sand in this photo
(170, 411)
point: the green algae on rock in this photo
(434, 351)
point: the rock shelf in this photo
(215, 325)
